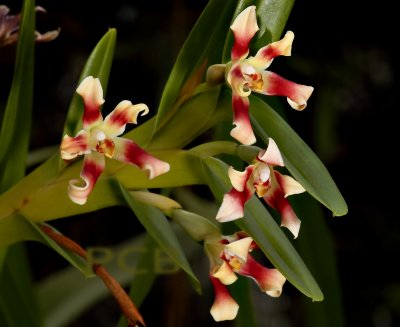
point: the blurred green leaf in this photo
(203, 46)
(97, 65)
(16, 125)
(159, 228)
(18, 306)
(241, 292)
(262, 227)
(316, 246)
(65, 295)
(15, 279)
(17, 228)
(300, 160)
(272, 16)
(142, 283)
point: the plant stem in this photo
(127, 307)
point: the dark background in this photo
(346, 49)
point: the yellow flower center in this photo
(235, 263)
(106, 147)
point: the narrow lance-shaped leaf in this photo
(202, 47)
(159, 228)
(16, 125)
(17, 228)
(316, 246)
(262, 227)
(15, 285)
(299, 159)
(97, 65)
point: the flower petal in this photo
(239, 248)
(289, 185)
(242, 131)
(275, 197)
(92, 93)
(93, 165)
(71, 147)
(269, 280)
(271, 156)
(273, 84)
(232, 206)
(224, 273)
(46, 37)
(125, 112)
(239, 179)
(244, 27)
(128, 151)
(224, 306)
(264, 57)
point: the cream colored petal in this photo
(239, 248)
(272, 155)
(225, 274)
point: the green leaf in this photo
(18, 306)
(262, 227)
(97, 65)
(299, 159)
(241, 292)
(202, 47)
(316, 246)
(16, 125)
(159, 228)
(272, 16)
(188, 123)
(17, 228)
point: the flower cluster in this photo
(229, 255)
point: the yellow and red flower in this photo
(99, 139)
(246, 74)
(262, 179)
(230, 255)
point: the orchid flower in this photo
(9, 27)
(272, 186)
(246, 74)
(99, 139)
(230, 255)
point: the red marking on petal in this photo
(242, 131)
(72, 147)
(128, 151)
(277, 85)
(93, 166)
(269, 280)
(232, 206)
(244, 28)
(276, 199)
(91, 115)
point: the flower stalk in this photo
(125, 303)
